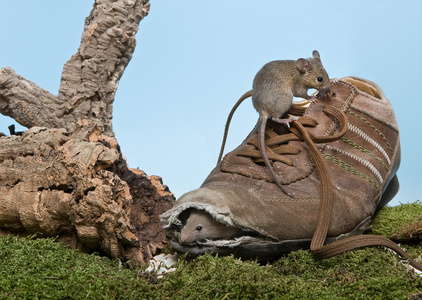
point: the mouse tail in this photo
(261, 138)
(229, 118)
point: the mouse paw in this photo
(313, 99)
(334, 80)
(286, 121)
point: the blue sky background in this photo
(194, 59)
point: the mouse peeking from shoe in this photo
(201, 226)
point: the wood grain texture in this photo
(65, 176)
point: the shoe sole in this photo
(270, 250)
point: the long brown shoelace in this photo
(347, 244)
(277, 147)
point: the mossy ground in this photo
(43, 269)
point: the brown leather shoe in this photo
(340, 158)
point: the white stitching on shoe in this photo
(372, 126)
(362, 160)
(356, 130)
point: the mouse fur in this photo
(200, 226)
(277, 82)
(274, 87)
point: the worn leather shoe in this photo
(343, 148)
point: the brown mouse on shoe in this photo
(274, 87)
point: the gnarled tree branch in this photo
(89, 79)
(65, 176)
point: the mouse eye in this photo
(320, 79)
(199, 228)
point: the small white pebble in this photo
(162, 264)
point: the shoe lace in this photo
(277, 141)
(338, 247)
(277, 147)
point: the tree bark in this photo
(65, 176)
(90, 77)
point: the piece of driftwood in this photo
(65, 176)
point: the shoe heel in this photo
(389, 193)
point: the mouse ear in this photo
(315, 54)
(303, 65)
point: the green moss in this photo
(363, 274)
(391, 220)
(43, 269)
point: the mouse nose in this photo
(185, 238)
(324, 93)
(326, 89)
